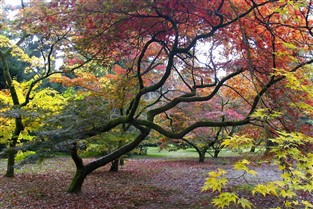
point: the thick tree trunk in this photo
(80, 175)
(201, 156)
(84, 170)
(114, 166)
(77, 181)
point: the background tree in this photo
(202, 139)
(32, 71)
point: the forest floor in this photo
(140, 183)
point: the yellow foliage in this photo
(307, 204)
(296, 166)
(265, 114)
(47, 100)
(244, 203)
(215, 181)
(237, 142)
(224, 199)
(268, 189)
(4, 42)
(287, 193)
(241, 165)
(16, 51)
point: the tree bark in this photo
(80, 175)
(122, 160)
(201, 156)
(114, 165)
(11, 151)
(82, 171)
(216, 152)
(11, 163)
(200, 152)
(78, 180)
(19, 127)
(252, 149)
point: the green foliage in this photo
(105, 143)
(21, 155)
(94, 150)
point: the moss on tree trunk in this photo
(77, 181)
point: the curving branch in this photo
(191, 97)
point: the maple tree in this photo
(202, 139)
(20, 98)
(92, 100)
(180, 52)
(24, 99)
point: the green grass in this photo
(155, 152)
(182, 153)
(64, 163)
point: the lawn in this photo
(189, 153)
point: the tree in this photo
(158, 43)
(31, 74)
(22, 95)
(202, 139)
(93, 100)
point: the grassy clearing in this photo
(190, 153)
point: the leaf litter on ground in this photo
(140, 183)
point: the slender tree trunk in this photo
(122, 160)
(252, 149)
(18, 121)
(11, 158)
(200, 152)
(114, 165)
(12, 152)
(216, 152)
(82, 171)
(269, 146)
(11, 163)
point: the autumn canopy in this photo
(169, 69)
